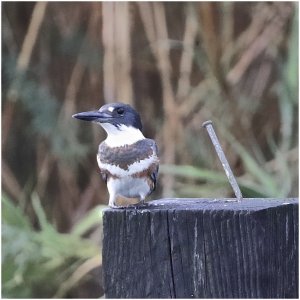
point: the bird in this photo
(128, 161)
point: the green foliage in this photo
(256, 182)
(35, 261)
(265, 182)
(291, 67)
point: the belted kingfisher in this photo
(127, 160)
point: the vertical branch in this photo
(31, 35)
(117, 59)
(108, 33)
(186, 62)
(210, 35)
(227, 33)
(122, 48)
(162, 55)
(145, 10)
(153, 18)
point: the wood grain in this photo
(201, 248)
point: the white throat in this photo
(121, 136)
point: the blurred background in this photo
(178, 64)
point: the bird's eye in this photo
(120, 111)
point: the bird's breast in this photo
(128, 160)
(130, 187)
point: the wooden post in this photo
(201, 248)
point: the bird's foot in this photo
(116, 206)
(142, 203)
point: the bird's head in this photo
(116, 114)
(117, 119)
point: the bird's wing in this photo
(153, 177)
(155, 169)
(103, 172)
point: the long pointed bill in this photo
(93, 116)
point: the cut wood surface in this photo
(202, 248)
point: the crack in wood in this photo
(196, 248)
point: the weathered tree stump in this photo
(201, 248)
